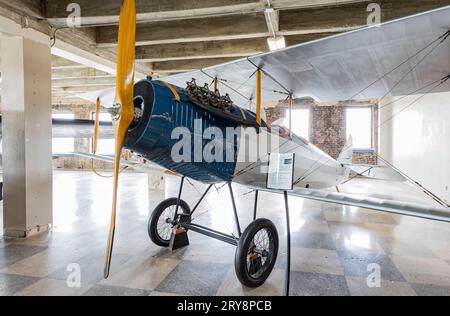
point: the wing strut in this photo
(258, 96)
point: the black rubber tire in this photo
(154, 218)
(244, 245)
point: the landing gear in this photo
(257, 247)
(161, 223)
(256, 253)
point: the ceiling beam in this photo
(84, 81)
(336, 18)
(97, 12)
(193, 30)
(75, 44)
(200, 50)
(74, 101)
(81, 90)
(228, 28)
(61, 63)
(61, 73)
(214, 49)
(352, 14)
(30, 8)
(187, 65)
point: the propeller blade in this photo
(124, 98)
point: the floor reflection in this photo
(332, 245)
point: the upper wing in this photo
(339, 67)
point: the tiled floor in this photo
(334, 247)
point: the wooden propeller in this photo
(124, 98)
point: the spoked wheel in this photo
(256, 253)
(160, 224)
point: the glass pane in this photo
(359, 126)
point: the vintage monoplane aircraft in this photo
(400, 58)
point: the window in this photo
(105, 147)
(63, 145)
(359, 126)
(300, 122)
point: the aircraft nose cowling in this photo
(143, 106)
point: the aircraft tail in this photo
(367, 171)
(346, 156)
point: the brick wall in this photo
(328, 125)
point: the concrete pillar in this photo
(27, 134)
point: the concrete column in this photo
(27, 134)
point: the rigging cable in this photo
(441, 40)
(441, 82)
(425, 190)
(270, 76)
(443, 36)
(414, 67)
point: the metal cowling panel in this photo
(155, 142)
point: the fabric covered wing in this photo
(386, 196)
(339, 67)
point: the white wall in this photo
(417, 140)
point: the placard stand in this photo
(281, 177)
(288, 233)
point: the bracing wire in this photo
(441, 82)
(412, 69)
(270, 76)
(442, 37)
(198, 191)
(417, 100)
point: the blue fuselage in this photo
(157, 132)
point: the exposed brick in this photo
(328, 125)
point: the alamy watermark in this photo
(215, 144)
(73, 279)
(374, 278)
(74, 18)
(374, 18)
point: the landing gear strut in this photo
(257, 246)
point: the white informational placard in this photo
(281, 171)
